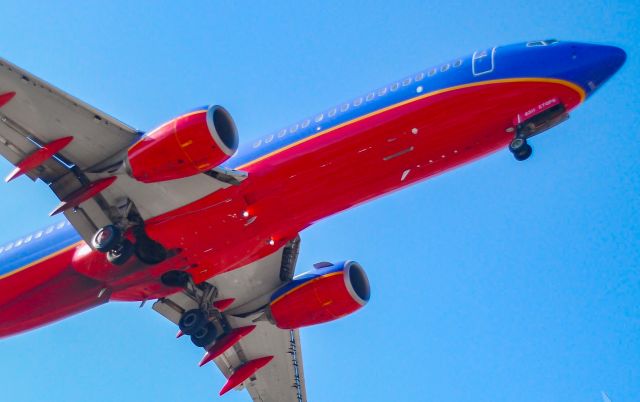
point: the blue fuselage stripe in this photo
(36, 246)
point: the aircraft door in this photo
(483, 61)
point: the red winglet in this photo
(243, 372)
(225, 343)
(78, 197)
(6, 97)
(223, 304)
(38, 157)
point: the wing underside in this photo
(282, 379)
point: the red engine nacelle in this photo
(187, 145)
(321, 295)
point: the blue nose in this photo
(597, 63)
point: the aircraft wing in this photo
(34, 113)
(41, 113)
(282, 379)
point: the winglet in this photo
(243, 372)
(38, 157)
(225, 343)
(6, 97)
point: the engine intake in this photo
(320, 295)
(187, 145)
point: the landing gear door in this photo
(483, 61)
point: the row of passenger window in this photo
(357, 102)
(34, 236)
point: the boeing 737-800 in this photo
(208, 228)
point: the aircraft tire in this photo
(523, 153)
(204, 336)
(191, 321)
(120, 254)
(106, 238)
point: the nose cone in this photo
(597, 63)
(608, 58)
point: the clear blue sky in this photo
(500, 281)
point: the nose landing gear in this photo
(534, 121)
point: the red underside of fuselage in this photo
(290, 189)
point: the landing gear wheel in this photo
(192, 321)
(520, 149)
(175, 279)
(150, 252)
(121, 253)
(204, 335)
(524, 153)
(516, 144)
(106, 238)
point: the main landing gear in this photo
(110, 240)
(204, 324)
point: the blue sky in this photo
(499, 281)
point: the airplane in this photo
(209, 229)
